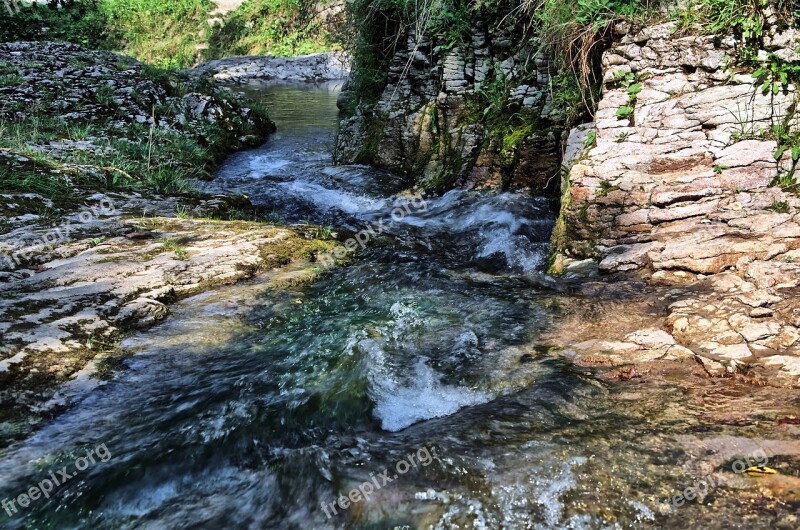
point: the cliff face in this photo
(682, 166)
(688, 174)
(688, 164)
(478, 113)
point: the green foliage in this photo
(600, 12)
(79, 21)
(776, 74)
(276, 27)
(514, 136)
(742, 17)
(633, 91)
(154, 31)
(450, 20)
(136, 157)
(605, 188)
(787, 182)
(167, 33)
(372, 35)
(10, 80)
(591, 139)
(492, 95)
(780, 207)
(624, 112)
(568, 96)
(104, 95)
(173, 245)
(788, 141)
(183, 211)
(157, 32)
(574, 33)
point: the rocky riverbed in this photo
(684, 177)
(583, 399)
(97, 252)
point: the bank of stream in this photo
(433, 367)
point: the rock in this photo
(77, 75)
(141, 312)
(651, 338)
(678, 353)
(760, 312)
(756, 331)
(584, 268)
(789, 364)
(681, 169)
(139, 235)
(424, 125)
(733, 351)
(90, 293)
(712, 367)
(576, 144)
(627, 257)
(329, 66)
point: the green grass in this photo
(104, 95)
(168, 34)
(787, 182)
(138, 157)
(183, 212)
(276, 27)
(173, 245)
(780, 207)
(162, 33)
(10, 80)
(134, 157)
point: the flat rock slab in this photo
(66, 303)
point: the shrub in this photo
(276, 27)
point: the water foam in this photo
(330, 199)
(505, 224)
(423, 397)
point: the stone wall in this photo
(685, 181)
(432, 124)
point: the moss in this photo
(293, 249)
(27, 384)
(605, 188)
(373, 137)
(559, 237)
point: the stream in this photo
(410, 388)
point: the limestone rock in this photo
(329, 66)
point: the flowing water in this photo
(416, 380)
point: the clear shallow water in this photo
(257, 408)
